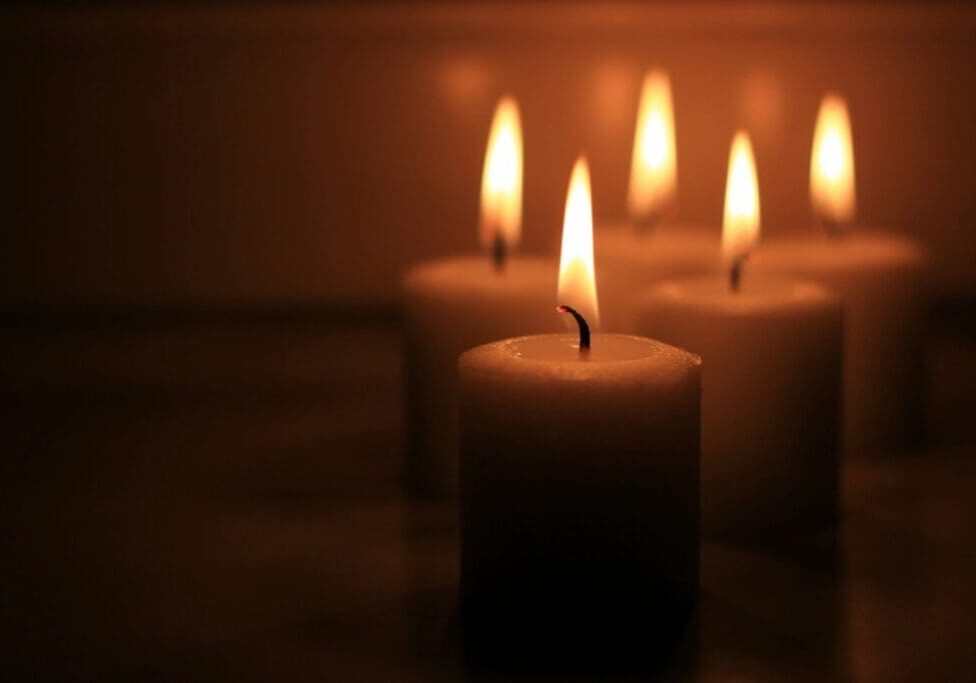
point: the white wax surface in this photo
(628, 261)
(881, 279)
(771, 373)
(579, 475)
(450, 306)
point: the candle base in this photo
(586, 562)
(815, 543)
(543, 633)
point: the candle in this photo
(771, 354)
(881, 279)
(648, 249)
(579, 475)
(455, 304)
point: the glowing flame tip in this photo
(740, 226)
(832, 194)
(501, 181)
(653, 171)
(577, 281)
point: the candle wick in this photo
(499, 253)
(735, 273)
(646, 223)
(833, 228)
(584, 329)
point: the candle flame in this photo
(577, 282)
(832, 163)
(653, 170)
(501, 182)
(740, 227)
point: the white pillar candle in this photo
(579, 486)
(648, 249)
(881, 279)
(455, 304)
(771, 374)
(771, 353)
(579, 474)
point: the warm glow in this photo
(653, 170)
(832, 164)
(740, 227)
(577, 283)
(501, 182)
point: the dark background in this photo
(225, 155)
(206, 209)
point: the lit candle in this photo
(454, 304)
(881, 279)
(579, 474)
(771, 372)
(649, 248)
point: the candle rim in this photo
(757, 295)
(498, 358)
(862, 248)
(478, 276)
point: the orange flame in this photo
(577, 282)
(832, 163)
(653, 170)
(501, 181)
(740, 226)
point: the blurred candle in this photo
(455, 304)
(579, 475)
(649, 249)
(771, 354)
(881, 279)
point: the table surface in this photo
(220, 499)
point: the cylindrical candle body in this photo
(450, 306)
(579, 488)
(881, 282)
(771, 387)
(631, 260)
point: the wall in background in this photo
(282, 155)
